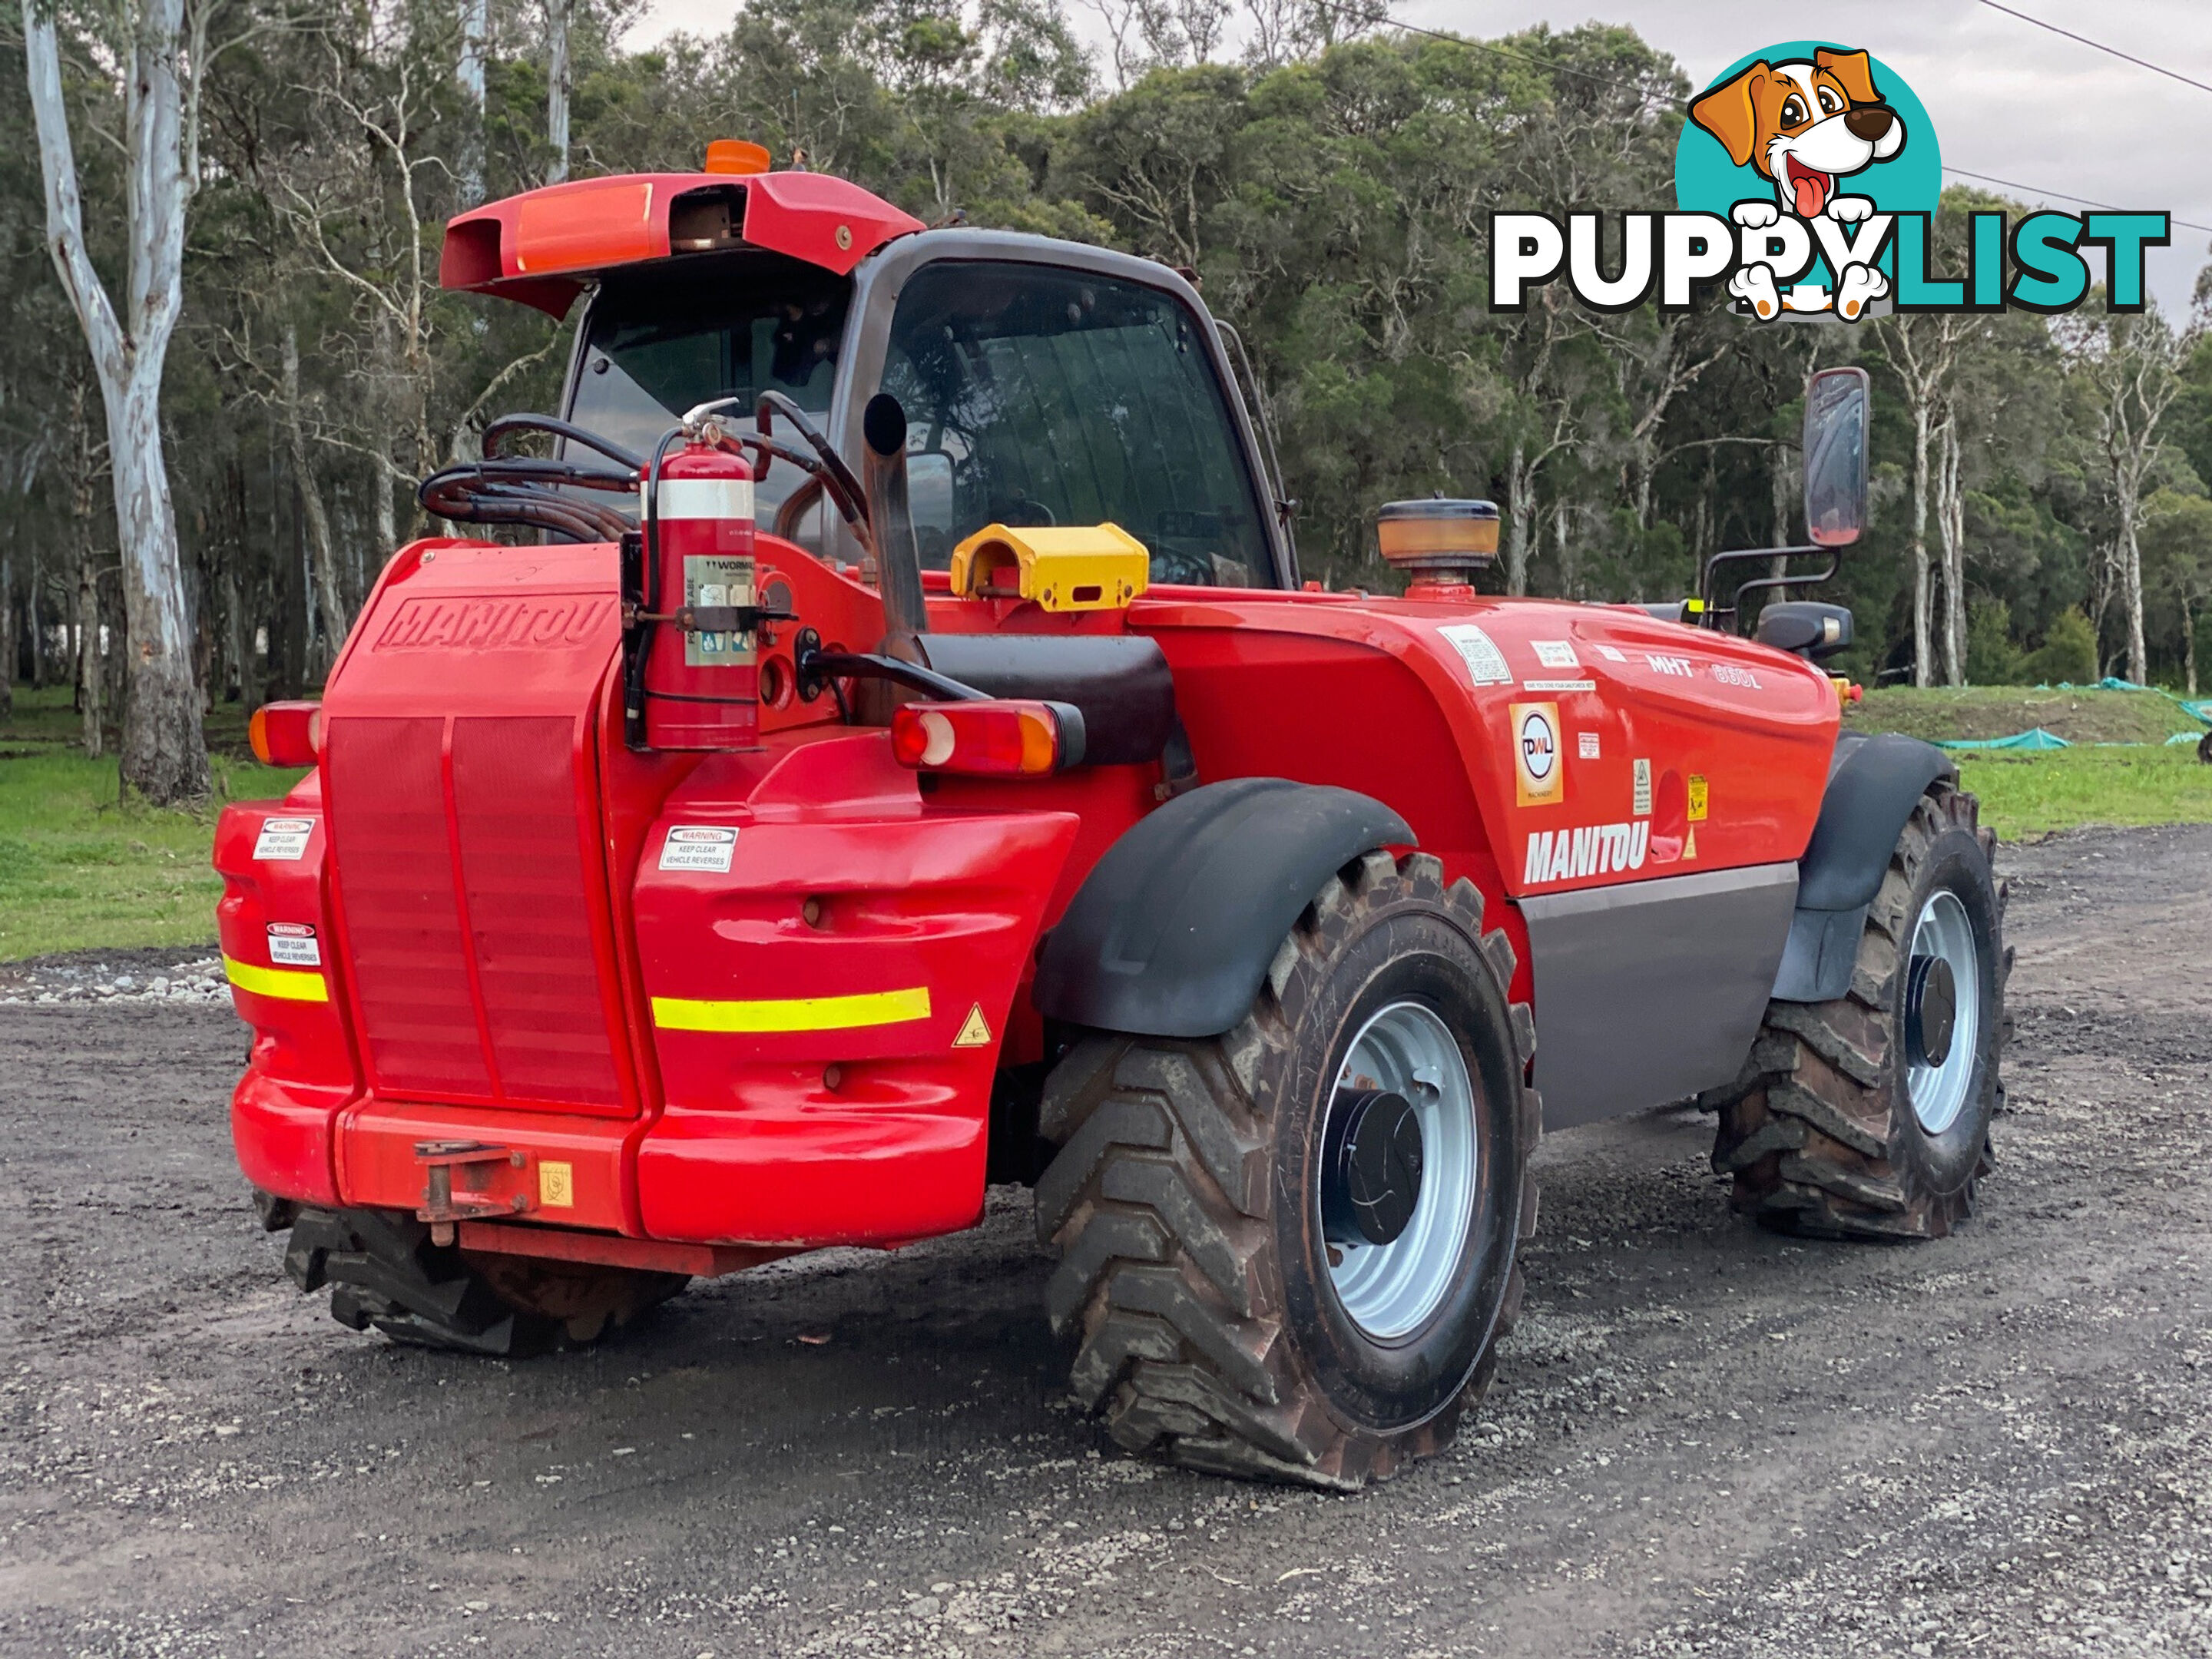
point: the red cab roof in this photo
(542, 247)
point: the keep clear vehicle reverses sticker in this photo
(294, 945)
(701, 847)
(283, 839)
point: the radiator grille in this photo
(467, 893)
(388, 830)
(514, 797)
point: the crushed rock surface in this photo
(1704, 1440)
(188, 976)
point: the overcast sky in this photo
(2009, 100)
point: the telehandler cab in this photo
(904, 756)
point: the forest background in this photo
(258, 189)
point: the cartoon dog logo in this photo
(1805, 125)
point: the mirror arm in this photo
(1707, 592)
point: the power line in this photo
(2112, 51)
(2080, 201)
(1373, 16)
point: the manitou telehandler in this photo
(891, 749)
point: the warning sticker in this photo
(975, 1030)
(708, 847)
(710, 579)
(1555, 653)
(1697, 799)
(1586, 744)
(283, 839)
(1643, 789)
(1485, 663)
(556, 1186)
(294, 945)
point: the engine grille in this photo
(459, 844)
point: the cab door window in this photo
(1041, 396)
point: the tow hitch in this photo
(459, 1182)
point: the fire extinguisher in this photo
(692, 679)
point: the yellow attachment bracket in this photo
(1085, 567)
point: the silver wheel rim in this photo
(1389, 1290)
(1939, 1092)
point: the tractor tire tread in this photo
(1158, 1201)
(1804, 1130)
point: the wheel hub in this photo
(1400, 1170)
(1942, 1013)
(1931, 1009)
(1371, 1168)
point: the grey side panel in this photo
(1653, 990)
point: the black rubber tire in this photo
(2204, 748)
(1820, 1133)
(1182, 1201)
(384, 1272)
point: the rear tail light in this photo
(286, 734)
(988, 738)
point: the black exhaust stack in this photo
(890, 516)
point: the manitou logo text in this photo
(495, 625)
(1596, 850)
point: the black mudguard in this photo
(1873, 784)
(1172, 932)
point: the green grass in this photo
(2028, 794)
(80, 871)
(1998, 711)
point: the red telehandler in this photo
(892, 749)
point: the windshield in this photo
(1042, 396)
(663, 339)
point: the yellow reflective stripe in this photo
(293, 984)
(792, 1013)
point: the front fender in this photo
(1873, 786)
(1172, 932)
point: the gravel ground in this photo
(1704, 1440)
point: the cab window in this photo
(664, 339)
(1042, 397)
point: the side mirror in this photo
(1836, 418)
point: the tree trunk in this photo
(1520, 515)
(164, 749)
(6, 636)
(1950, 523)
(476, 30)
(557, 88)
(1923, 629)
(329, 601)
(31, 622)
(89, 666)
(1569, 577)
(2189, 642)
(1778, 478)
(2131, 583)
